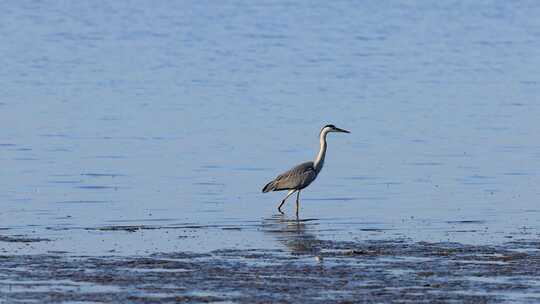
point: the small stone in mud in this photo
(433, 285)
(355, 252)
(120, 228)
(21, 239)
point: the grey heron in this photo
(302, 175)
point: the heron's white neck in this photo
(319, 161)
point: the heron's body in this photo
(297, 178)
(304, 174)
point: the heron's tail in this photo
(269, 187)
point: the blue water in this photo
(176, 113)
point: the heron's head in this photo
(332, 128)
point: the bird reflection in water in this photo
(294, 233)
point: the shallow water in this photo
(133, 129)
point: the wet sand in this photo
(304, 270)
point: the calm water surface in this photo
(173, 115)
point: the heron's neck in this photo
(319, 161)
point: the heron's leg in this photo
(297, 202)
(283, 201)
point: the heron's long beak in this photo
(342, 130)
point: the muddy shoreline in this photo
(315, 272)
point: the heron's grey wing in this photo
(296, 178)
